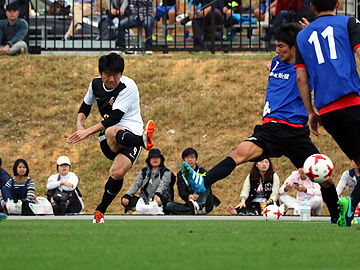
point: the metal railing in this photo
(47, 29)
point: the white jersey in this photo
(127, 101)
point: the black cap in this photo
(155, 153)
(12, 6)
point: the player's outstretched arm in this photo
(82, 134)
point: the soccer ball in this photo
(272, 212)
(318, 168)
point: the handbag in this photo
(61, 196)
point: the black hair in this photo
(12, 6)
(287, 33)
(255, 173)
(324, 5)
(189, 151)
(112, 63)
(0, 161)
(16, 164)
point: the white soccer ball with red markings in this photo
(318, 168)
(272, 212)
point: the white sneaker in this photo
(194, 207)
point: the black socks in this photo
(128, 139)
(330, 197)
(220, 171)
(112, 188)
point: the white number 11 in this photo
(314, 39)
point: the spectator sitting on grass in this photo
(13, 32)
(195, 204)
(4, 177)
(262, 183)
(64, 181)
(20, 187)
(303, 187)
(154, 182)
(348, 179)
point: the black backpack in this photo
(107, 29)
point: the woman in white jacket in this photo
(63, 192)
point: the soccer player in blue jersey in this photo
(283, 130)
(326, 55)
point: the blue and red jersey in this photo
(283, 100)
(326, 48)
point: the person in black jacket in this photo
(194, 204)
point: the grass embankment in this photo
(212, 103)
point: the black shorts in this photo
(131, 153)
(344, 126)
(283, 140)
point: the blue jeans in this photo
(131, 22)
(13, 194)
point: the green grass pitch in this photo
(166, 244)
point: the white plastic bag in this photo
(13, 208)
(42, 207)
(148, 209)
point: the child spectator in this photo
(20, 187)
(65, 182)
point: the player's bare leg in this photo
(246, 151)
(110, 134)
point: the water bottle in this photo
(267, 14)
(305, 209)
(263, 205)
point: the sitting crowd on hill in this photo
(155, 184)
(18, 192)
